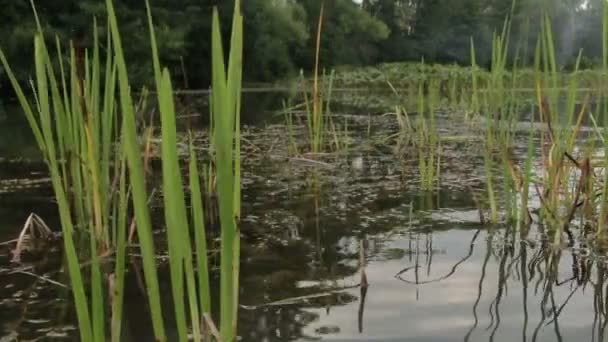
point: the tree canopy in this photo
(280, 34)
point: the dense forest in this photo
(280, 34)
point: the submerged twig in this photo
(39, 277)
(312, 161)
(296, 300)
(34, 224)
(212, 327)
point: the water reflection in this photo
(434, 274)
(503, 287)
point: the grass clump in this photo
(84, 121)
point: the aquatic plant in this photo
(75, 125)
(317, 102)
(421, 135)
(427, 139)
(314, 106)
(603, 214)
(225, 102)
(89, 150)
(292, 147)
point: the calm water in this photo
(435, 272)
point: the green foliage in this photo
(280, 35)
(70, 20)
(73, 123)
(276, 29)
(88, 150)
(350, 34)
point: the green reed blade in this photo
(94, 97)
(309, 114)
(64, 91)
(137, 178)
(200, 237)
(80, 298)
(174, 205)
(97, 297)
(173, 195)
(235, 76)
(317, 111)
(225, 105)
(153, 45)
(108, 134)
(75, 139)
(569, 133)
(117, 295)
(192, 299)
(97, 306)
(474, 77)
(603, 215)
(329, 92)
(236, 201)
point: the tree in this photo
(275, 30)
(350, 34)
(280, 35)
(72, 21)
(399, 16)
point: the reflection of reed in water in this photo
(429, 251)
(538, 268)
(363, 285)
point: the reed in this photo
(494, 101)
(192, 302)
(603, 215)
(97, 169)
(560, 167)
(176, 218)
(317, 105)
(136, 178)
(190, 276)
(226, 109)
(74, 122)
(292, 145)
(402, 118)
(427, 141)
(524, 215)
(475, 106)
(339, 135)
(84, 120)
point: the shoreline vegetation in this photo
(282, 34)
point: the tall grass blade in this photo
(226, 89)
(137, 179)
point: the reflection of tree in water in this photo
(285, 322)
(279, 281)
(280, 269)
(312, 254)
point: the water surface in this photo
(435, 270)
